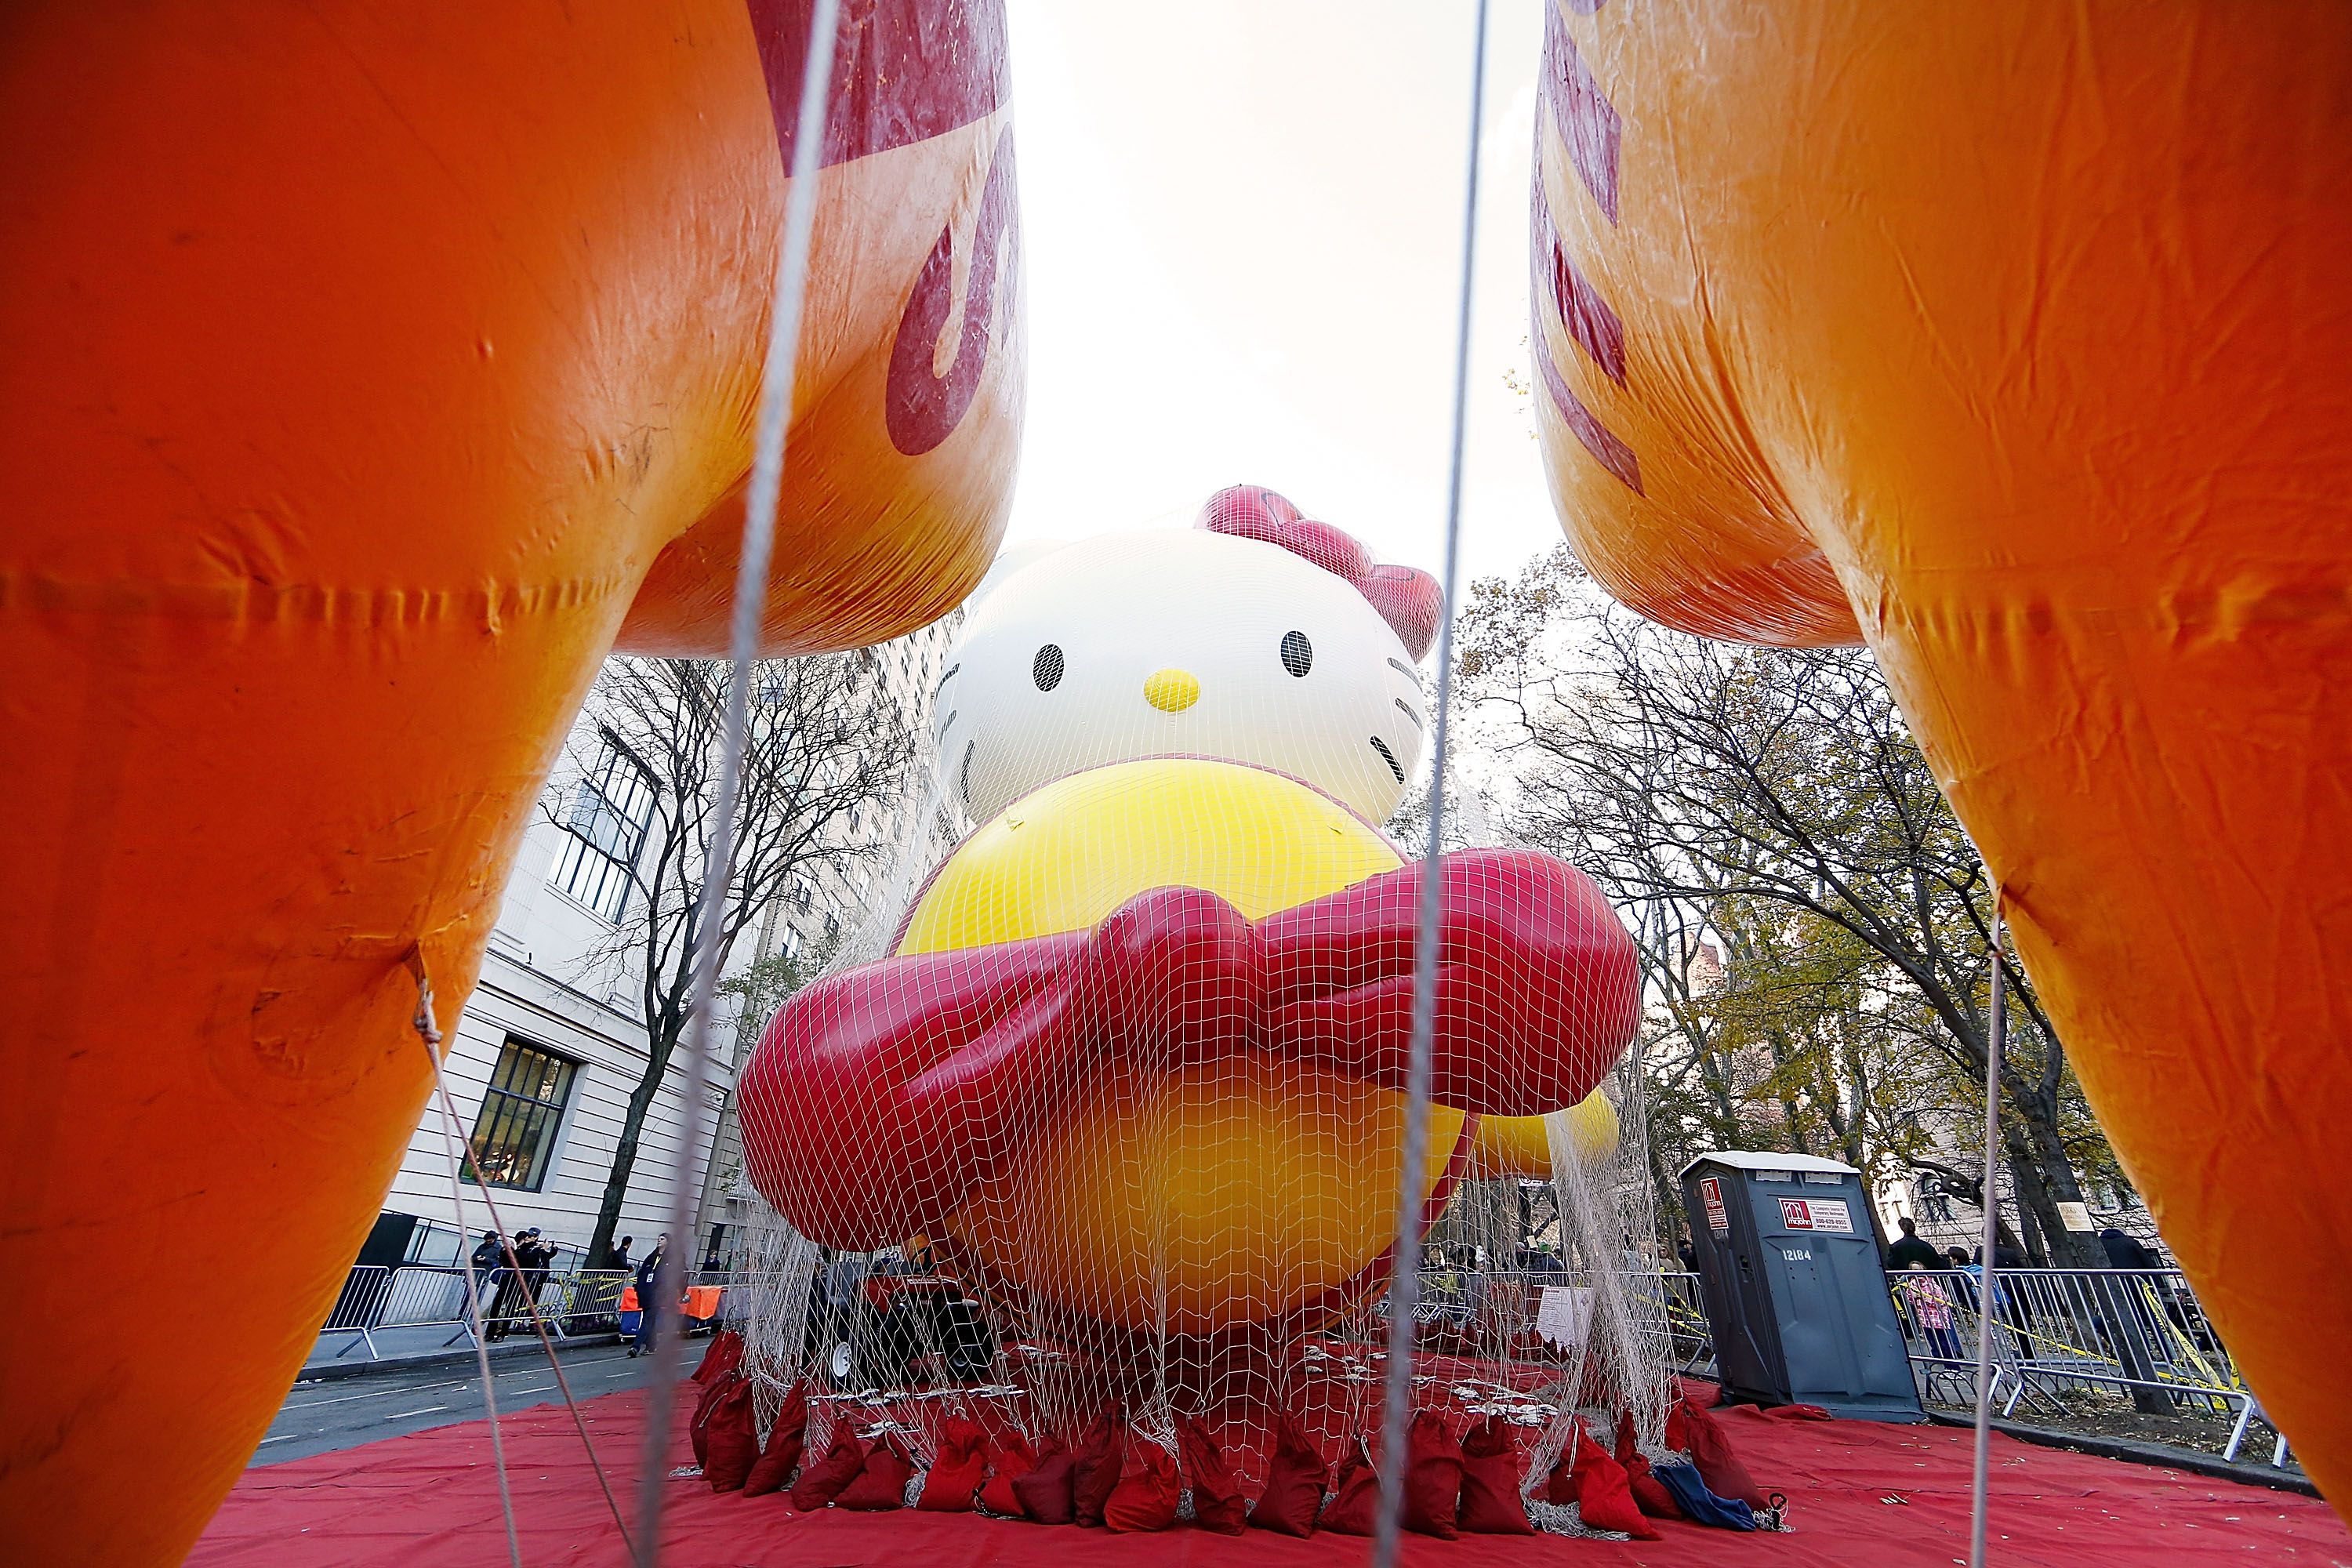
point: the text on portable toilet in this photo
(1816, 1214)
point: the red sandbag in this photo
(1677, 1428)
(958, 1468)
(1650, 1494)
(1044, 1491)
(724, 1355)
(1354, 1507)
(698, 1431)
(1296, 1479)
(881, 1482)
(1217, 1502)
(1094, 1465)
(732, 1443)
(1149, 1488)
(1010, 1457)
(1432, 1476)
(1719, 1466)
(781, 1457)
(1491, 1504)
(822, 1482)
(1697, 1394)
(1597, 1485)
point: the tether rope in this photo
(430, 1034)
(1404, 1286)
(743, 647)
(1996, 1037)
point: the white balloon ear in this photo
(1010, 563)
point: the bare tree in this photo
(1697, 781)
(828, 745)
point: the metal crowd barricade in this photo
(1689, 1339)
(358, 1303)
(584, 1302)
(2058, 1331)
(573, 1303)
(409, 1294)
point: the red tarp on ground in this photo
(1863, 1496)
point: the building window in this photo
(607, 828)
(514, 1136)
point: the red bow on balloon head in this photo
(1409, 600)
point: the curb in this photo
(341, 1371)
(2193, 1460)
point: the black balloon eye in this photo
(1047, 670)
(1297, 653)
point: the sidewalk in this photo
(401, 1349)
(2144, 1451)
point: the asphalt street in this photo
(320, 1418)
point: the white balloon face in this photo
(1177, 642)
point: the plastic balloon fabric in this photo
(373, 374)
(1131, 1064)
(2010, 340)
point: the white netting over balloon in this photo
(1092, 1133)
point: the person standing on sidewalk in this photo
(526, 1271)
(1932, 1310)
(490, 1261)
(535, 1253)
(648, 1283)
(1911, 1252)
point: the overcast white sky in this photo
(1242, 228)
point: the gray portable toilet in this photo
(1796, 1294)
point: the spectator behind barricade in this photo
(1963, 1286)
(648, 1274)
(618, 1256)
(524, 1267)
(494, 1270)
(1931, 1309)
(2126, 1251)
(1911, 1252)
(1686, 1252)
(2003, 1258)
(536, 1252)
(1474, 1284)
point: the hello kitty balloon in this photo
(1132, 1066)
(1257, 637)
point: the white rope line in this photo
(431, 1036)
(1404, 1283)
(1979, 1482)
(429, 1033)
(743, 647)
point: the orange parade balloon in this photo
(372, 372)
(2012, 338)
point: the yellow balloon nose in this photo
(1172, 691)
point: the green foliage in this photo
(763, 986)
(1815, 927)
